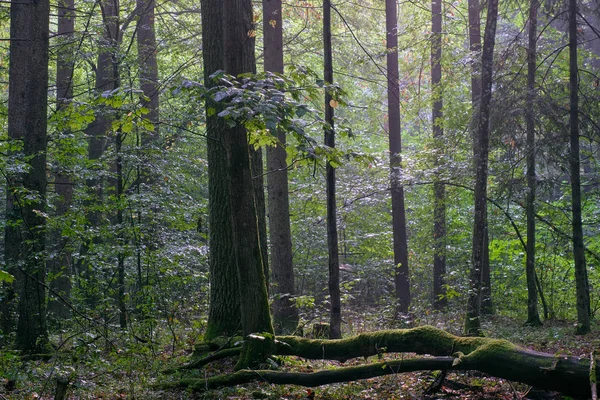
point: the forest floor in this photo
(128, 366)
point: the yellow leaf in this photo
(273, 23)
(252, 33)
(333, 103)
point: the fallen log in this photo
(496, 357)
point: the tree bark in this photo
(402, 279)
(332, 233)
(581, 278)
(500, 358)
(25, 232)
(224, 318)
(238, 46)
(285, 313)
(533, 317)
(440, 300)
(147, 50)
(481, 144)
(61, 265)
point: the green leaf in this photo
(6, 277)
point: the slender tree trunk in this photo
(475, 48)
(27, 115)
(581, 278)
(60, 266)
(402, 280)
(472, 321)
(238, 48)
(285, 313)
(439, 191)
(533, 317)
(224, 316)
(332, 234)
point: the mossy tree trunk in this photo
(496, 357)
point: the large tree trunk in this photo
(332, 234)
(285, 313)
(402, 279)
(533, 317)
(472, 322)
(440, 300)
(27, 122)
(581, 278)
(60, 265)
(567, 374)
(238, 49)
(224, 316)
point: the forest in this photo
(336, 199)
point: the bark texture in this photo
(238, 45)
(224, 316)
(439, 190)
(581, 278)
(285, 313)
(533, 317)
(402, 280)
(481, 150)
(25, 232)
(335, 319)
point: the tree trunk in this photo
(27, 122)
(402, 280)
(581, 278)
(285, 313)
(533, 317)
(332, 234)
(238, 48)
(472, 322)
(147, 49)
(440, 300)
(224, 316)
(60, 265)
(500, 358)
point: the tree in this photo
(285, 313)
(533, 317)
(332, 233)
(60, 265)
(27, 122)
(238, 49)
(224, 316)
(148, 64)
(581, 279)
(440, 300)
(481, 150)
(402, 280)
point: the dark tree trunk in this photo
(258, 182)
(472, 321)
(27, 115)
(332, 234)
(285, 313)
(60, 266)
(439, 191)
(402, 280)
(533, 316)
(224, 313)
(238, 49)
(475, 48)
(581, 278)
(147, 49)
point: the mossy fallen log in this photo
(500, 358)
